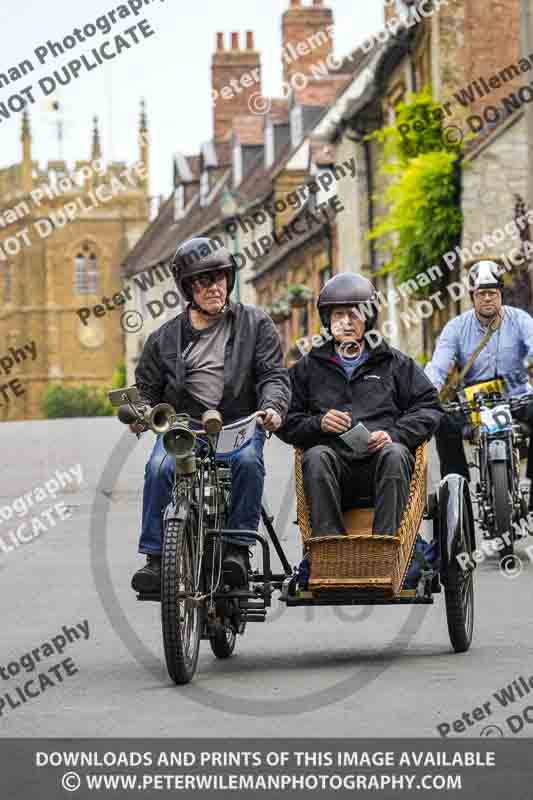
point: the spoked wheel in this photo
(223, 641)
(459, 594)
(503, 511)
(181, 615)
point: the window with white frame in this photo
(179, 202)
(270, 149)
(204, 186)
(85, 271)
(297, 125)
(237, 164)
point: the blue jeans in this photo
(248, 477)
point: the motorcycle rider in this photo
(345, 381)
(502, 357)
(216, 354)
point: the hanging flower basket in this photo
(280, 311)
(299, 295)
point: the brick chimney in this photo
(243, 67)
(307, 36)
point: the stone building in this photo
(64, 231)
(457, 47)
(241, 187)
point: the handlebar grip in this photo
(126, 415)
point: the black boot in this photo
(236, 565)
(147, 580)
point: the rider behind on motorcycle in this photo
(501, 357)
(344, 382)
(216, 354)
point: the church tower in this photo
(63, 235)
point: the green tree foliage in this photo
(119, 379)
(424, 217)
(78, 401)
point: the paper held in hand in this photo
(236, 435)
(357, 440)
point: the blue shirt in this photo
(350, 364)
(503, 355)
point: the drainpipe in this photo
(370, 194)
(527, 47)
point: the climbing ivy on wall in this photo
(424, 217)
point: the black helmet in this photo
(485, 275)
(200, 255)
(349, 289)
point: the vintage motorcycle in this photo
(497, 439)
(197, 605)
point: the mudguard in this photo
(497, 450)
(177, 511)
(454, 504)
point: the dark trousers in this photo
(333, 480)
(449, 441)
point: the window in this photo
(270, 153)
(237, 164)
(7, 284)
(204, 187)
(85, 271)
(179, 202)
(297, 128)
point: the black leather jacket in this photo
(388, 392)
(254, 376)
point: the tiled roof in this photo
(164, 234)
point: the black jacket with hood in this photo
(388, 392)
(254, 376)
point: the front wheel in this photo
(503, 511)
(459, 587)
(181, 613)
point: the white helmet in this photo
(485, 275)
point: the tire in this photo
(223, 642)
(459, 594)
(503, 512)
(182, 621)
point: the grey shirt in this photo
(204, 362)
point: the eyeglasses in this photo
(490, 294)
(352, 314)
(206, 279)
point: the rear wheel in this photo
(181, 614)
(459, 591)
(502, 506)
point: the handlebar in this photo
(476, 404)
(129, 415)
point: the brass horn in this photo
(179, 440)
(160, 417)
